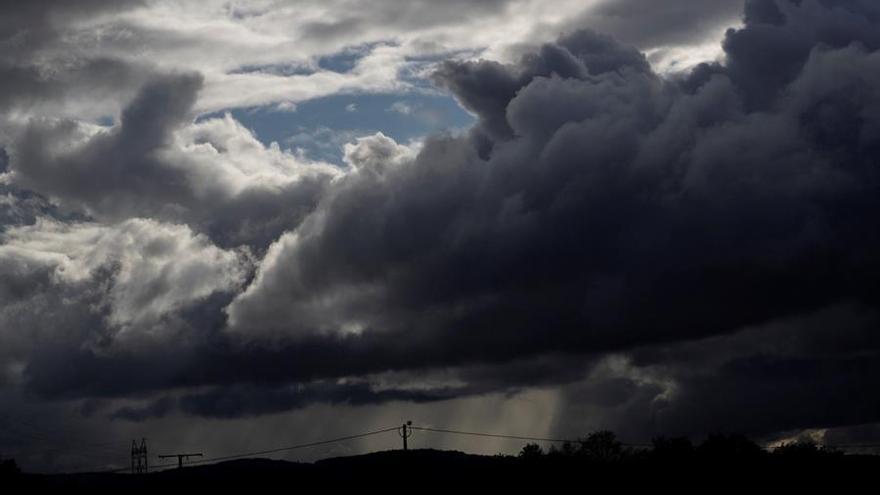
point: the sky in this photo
(228, 226)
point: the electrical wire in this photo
(512, 437)
(265, 452)
(292, 447)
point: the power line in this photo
(270, 451)
(492, 435)
(293, 447)
(513, 437)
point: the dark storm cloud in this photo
(267, 396)
(234, 402)
(208, 359)
(604, 193)
(595, 208)
(767, 56)
(124, 160)
(487, 88)
(814, 370)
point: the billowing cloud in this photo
(134, 278)
(213, 175)
(662, 250)
(598, 207)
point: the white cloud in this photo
(146, 270)
(221, 154)
(225, 41)
(377, 152)
(400, 107)
(285, 106)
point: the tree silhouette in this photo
(531, 451)
(804, 449)
(601, 446)
(729, 447)
(567, 449)
(672, 449)
(9, 469)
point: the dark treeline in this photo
(597, 461)
(604, 447)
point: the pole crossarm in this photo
(180, 457)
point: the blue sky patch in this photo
(345, 60)
(319, 127)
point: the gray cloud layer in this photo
(672, 22)
(681, 248)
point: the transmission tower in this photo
(139, 457)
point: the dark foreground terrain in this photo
(425, 470)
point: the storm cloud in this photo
(612, 189)
(598, 207)
(677, 253)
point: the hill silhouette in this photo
(597, 462)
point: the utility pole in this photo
(405, 432)
(180, 458)
(139, 457)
